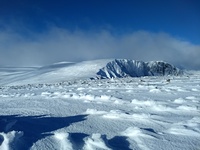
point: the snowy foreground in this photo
(146, 113)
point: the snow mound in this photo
(120, 68)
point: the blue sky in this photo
(180, 18)
(26, 23)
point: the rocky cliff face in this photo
(130, 68)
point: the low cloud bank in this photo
(59, 44)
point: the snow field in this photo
(132, 113)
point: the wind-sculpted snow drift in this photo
(131, 68)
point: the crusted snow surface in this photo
(146, 113)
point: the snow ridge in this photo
(94, 69)
(120, 68)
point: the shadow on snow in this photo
(34, 128)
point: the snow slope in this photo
(107, 68)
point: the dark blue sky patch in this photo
(180, 18)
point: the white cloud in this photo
(62, 45)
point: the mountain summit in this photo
(120, 68)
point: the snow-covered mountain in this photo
(124, 67)
(106, 68)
